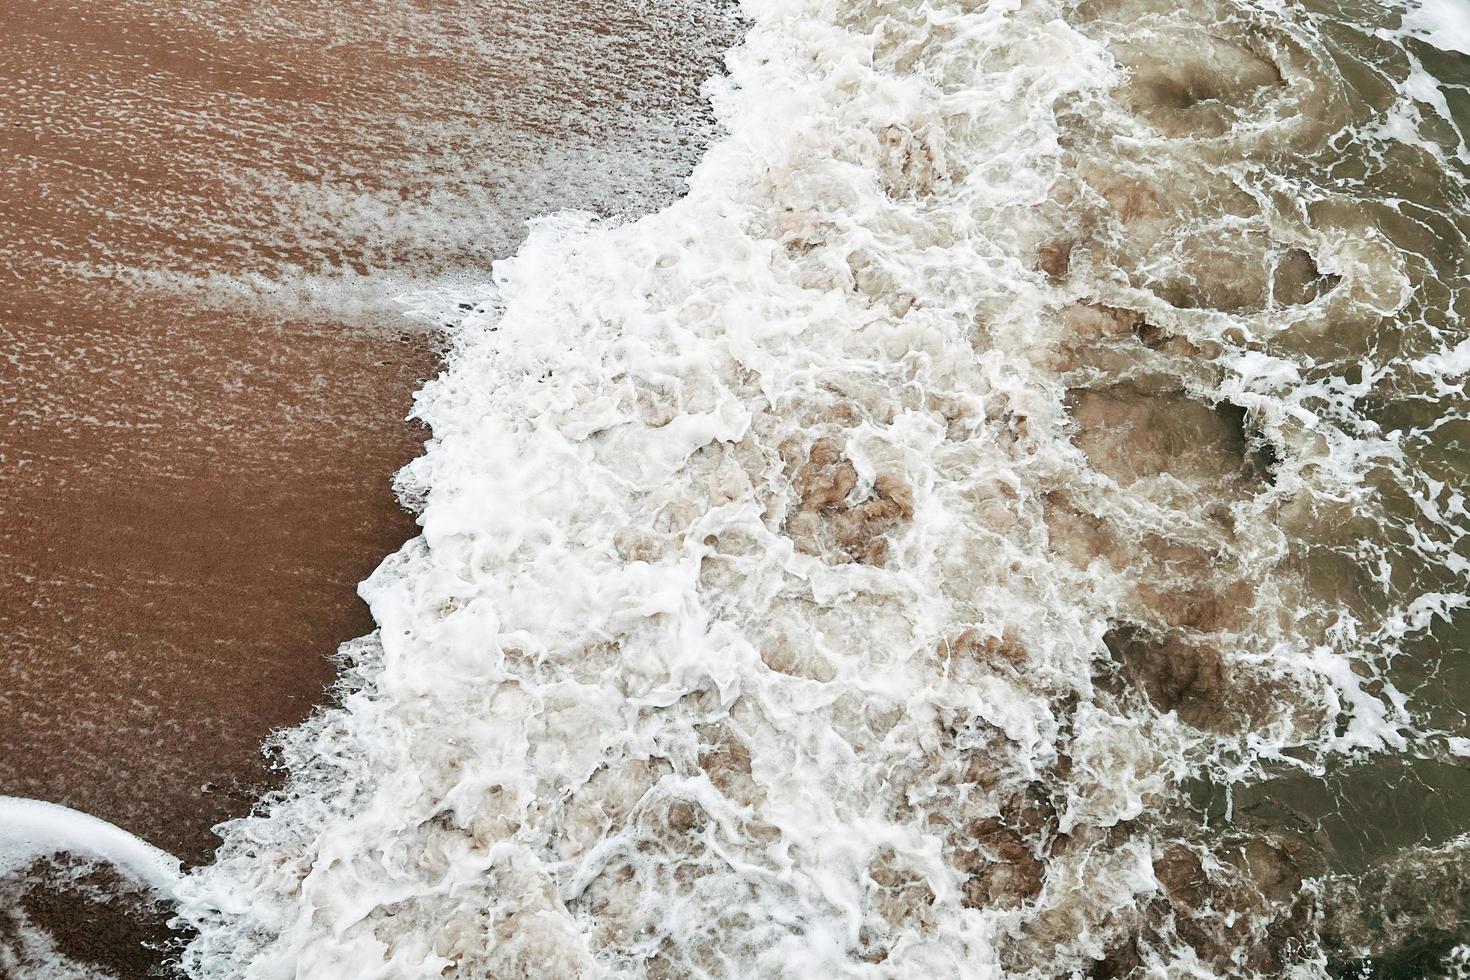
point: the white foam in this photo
(1448, 365)
(34, 829)
(636, 705)
(1443, 23)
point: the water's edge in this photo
(936, 543)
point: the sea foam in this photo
(845, 570)
(32, 830)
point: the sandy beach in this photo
(179, 559)
(204, 212)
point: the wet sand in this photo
(196, 449)
(182, 541)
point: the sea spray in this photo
(863, 566)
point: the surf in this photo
(904, 554)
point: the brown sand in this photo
(192, 480)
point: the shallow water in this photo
(206, 210)
(1006, 519)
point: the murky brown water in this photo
(1384, 826)
(204, 211)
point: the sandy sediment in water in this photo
(204, 397)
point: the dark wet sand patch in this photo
(88, 916)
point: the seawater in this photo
(1006, 519)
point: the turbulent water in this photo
(1007, 519)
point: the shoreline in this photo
(196, 482)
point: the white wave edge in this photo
(34, 829)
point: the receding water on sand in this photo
(205, 215)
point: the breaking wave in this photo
(966, 535)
